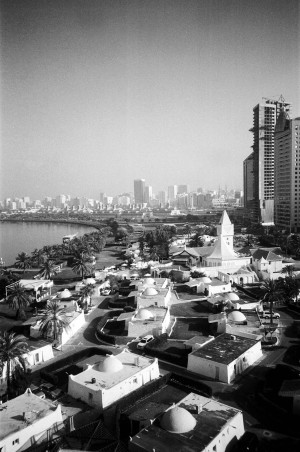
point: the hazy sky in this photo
(97, 93)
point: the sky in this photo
(97, 93)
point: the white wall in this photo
(32, 432)
(223, 372)
(102, 398)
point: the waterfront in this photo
(16, 237)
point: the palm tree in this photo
(54, 321)
(12, 349)
(37, 256)
(18, 299)
(48, 269)
(87, 292)
(289, 270)
(273, 293)
(23, 261)
(80, 264)
(188, 230)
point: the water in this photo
(18, 237)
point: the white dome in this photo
(144, 314)
(89, 281)
(150, 291)
(64, 294)
(149, 281)
(110, 364)
(178, 420)
(232, 296)
(205, 279)
(236, 316)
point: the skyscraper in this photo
(139, 191)
(287, 172)
(259, 190)
(148, 194)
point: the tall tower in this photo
(265, 115)
(139, 191)
(287, 172)
(225, 229)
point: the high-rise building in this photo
(172, 192)
(161, 196)
(148, 194)
(182, 189)
(259, 190)
(287, 172)
(139, 191)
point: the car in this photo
(144, 341)
(267, 315)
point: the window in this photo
(16, 441)
(90, 396)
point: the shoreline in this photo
(94, 224)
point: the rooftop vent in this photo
(233, 337)
(93, 380)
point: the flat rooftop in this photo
(131, 365)
(211, 419)
(11, 412)
(224, 349)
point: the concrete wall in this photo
(74, 326)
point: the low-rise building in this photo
(196, 424)
(151, 320)
(26, 420)
(225, 357)
(109, 379)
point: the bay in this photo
(18, 237)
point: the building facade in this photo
(287, 173)
(139, 191)
(261, 185)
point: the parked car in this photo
(144, 341)
(267, 315)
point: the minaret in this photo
(225, 229)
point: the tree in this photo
(18, 299)
(48, 269)
(188, 230)
(197, 240)
(12, 349)
(86, 293)
(197, 274)
(54, 321)
(80, 264)
(23, 261)
(273, 293)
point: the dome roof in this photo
(232, 296)
(144, 314)
(64, 294)
(150, 291)
(89, 281)
(205, 279)
(178, 420)
(110, 364)
(149, 281)
(236, 316)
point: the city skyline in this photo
(97, 94)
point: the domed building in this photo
(178, 420)
(152, 320)
(111, 364)
(144, 314)
(64, 295)
(237, 317)
(104, 383)
(194, 424)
